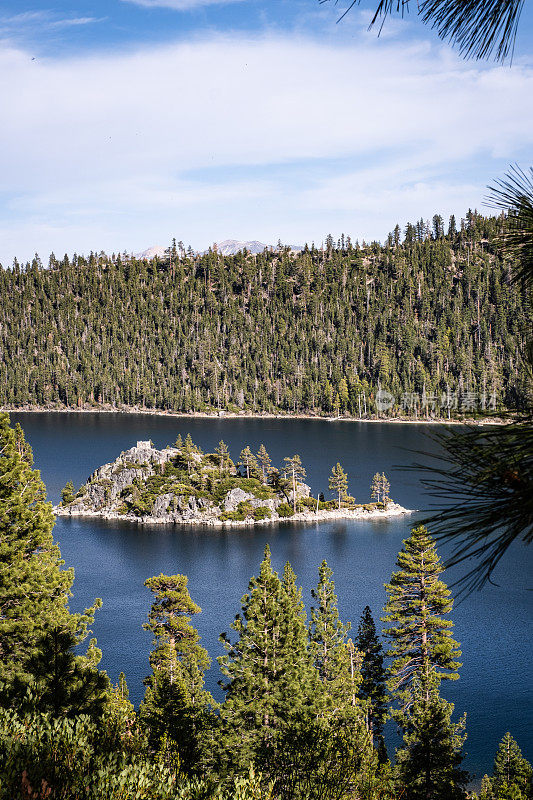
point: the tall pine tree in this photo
(512, 774)
(270, 679)
(36, 625)
(420, 637)
(329, 645)
(176, 705)
(372, 688)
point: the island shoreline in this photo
(332, 515)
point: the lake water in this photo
(112, 559)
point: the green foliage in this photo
(176, 704)
(63, 683)
(248, 462)
(428, 763)
(304, 328)
(34, 590)
(294, 472)
(372, 689)
(270, 678)
(380, 488)
(338, 483)
(512, 775)
(264, 461)
(285, 510)
(420, 637)
(67, 495)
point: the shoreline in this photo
(393, 510)
(255, 415)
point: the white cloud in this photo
(178, 5)
(97, 151)
(75, 22)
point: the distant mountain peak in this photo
(231, 246)
(157, 250)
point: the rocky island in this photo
(181, 484)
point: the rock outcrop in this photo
(180, 484)
(151, 485)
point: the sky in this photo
(126, 123)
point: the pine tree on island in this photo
(176, 705)
(248, 461)
(188, 451)
(67, 495)
(294, 471)
(264, 462)
(223, 455)
(380, 488)
(375, 487)
(338, 483)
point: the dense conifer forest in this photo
(431, 316)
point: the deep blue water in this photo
(112, 559)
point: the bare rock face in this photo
(302, 490)
(236, 496)
(161, 505)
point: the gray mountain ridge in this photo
(228, 247)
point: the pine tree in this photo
(344, 395)
(268, 669)
(65, 684)
(223, 455)
(187, 452)
(429, 761)
(67, 495)
(338, 483)
(420, 638)
(294, 471)
(512, 774)
(372, 688)
(385, 488)
(264, 461)
(120, 715)
(176, 704)
(34, 590)
(248, 461)
(486, 792)
(376, 487)
(327, 632)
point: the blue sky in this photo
(128, 122)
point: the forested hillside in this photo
(429, 316)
